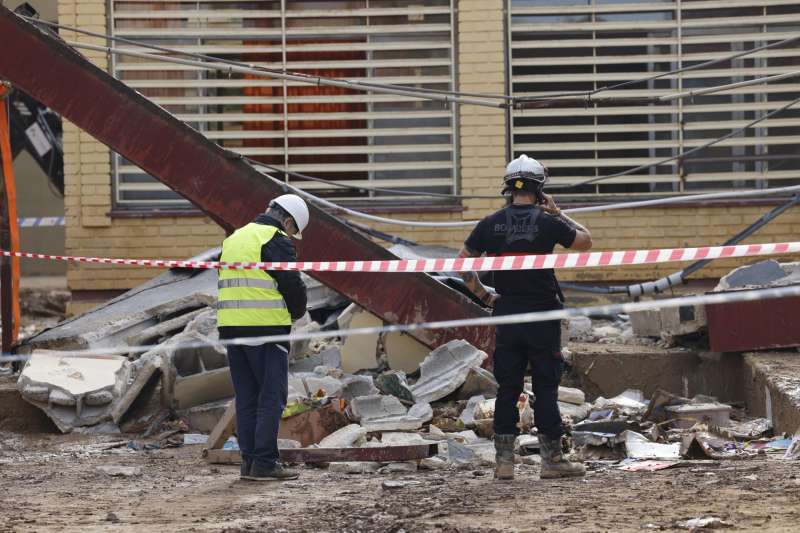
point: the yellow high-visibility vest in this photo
(249, 297)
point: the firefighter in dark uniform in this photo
(530, 224)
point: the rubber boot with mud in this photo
(554, 465)
(504, 456)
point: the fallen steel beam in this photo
(216, 180)
(378, 454)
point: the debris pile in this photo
(633, 434)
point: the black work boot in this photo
(246, 465)
(553, 463)
(504, 456)
(270, 472)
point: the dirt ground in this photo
(52, 483)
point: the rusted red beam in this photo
(756, 325)
(377, 454)
(217, 181)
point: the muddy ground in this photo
(52, 483)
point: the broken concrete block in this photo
(761, 274)
(575, 413)
(573, 396)
(323, 386)
(433, 463)
(405, 467)
(673, 321)
(346, 437)
(301, 348)
(445, 369)
(578, 326)
(399, 438)
(74, 390)
(297, 389)
(468, 414)
(123, 319)
(404, 352)
(357, 386)
(386, 413)
(479, 381)
(353, 467)
(394, 383)
(459, 454)
(467, 436)
(359, 351)
(330, 357)
(203, 418)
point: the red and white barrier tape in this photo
(467, 264)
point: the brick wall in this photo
(481, 62)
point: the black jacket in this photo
(290, 285)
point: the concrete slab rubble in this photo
(346, 437)
(359, 351)
(446, 369)
(74, 391)
(386, 413)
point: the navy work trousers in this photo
(517, 346)
(260, 381)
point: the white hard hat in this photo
(524, 172)
(297, 208)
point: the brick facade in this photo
(91, 230)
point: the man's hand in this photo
(473, 283)
(489, 298)
(549, 206)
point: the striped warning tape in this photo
(466, 264)
(40, 222)
(521, 318)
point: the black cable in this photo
(365, 188)
(687, 152)
(249, 65)
(662, 74)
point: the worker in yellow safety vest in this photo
(254, 304)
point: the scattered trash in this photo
(194, 438)
(647, 466)
(638, 446)
(687, 415)
(707, 522)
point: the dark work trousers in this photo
(260, 381)
(517, 346)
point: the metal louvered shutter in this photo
(557, 46)
(357, 138)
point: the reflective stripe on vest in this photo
(249, 297)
